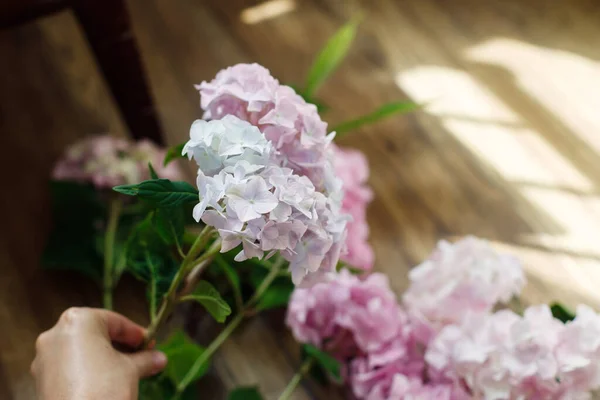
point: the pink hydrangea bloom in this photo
(249, 92)
(505, 356)
(346, 314)
(389, 383)
(578, 351)
(352, 168)
(107, 161)
(255, 202)
(459, 279)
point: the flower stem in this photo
(170, 298)
(196, 270)
(109, 246)
(230, 328)
(296, 379)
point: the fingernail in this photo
(159, 359)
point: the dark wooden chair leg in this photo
(108, 29)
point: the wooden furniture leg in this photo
(107, 25)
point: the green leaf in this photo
(173, 153)
(76, 214)
(321, 106)
(353, 270)
(382, 112)
(561, 313)
(182, 353)
(161, 192)
(159, 387)
(209, 297)
(277, 295)
(149, 259)
(245, 393)
(330, 56)
(153, 173)
(327, 362)
(233, 278)
(155, 388)
(169, 224)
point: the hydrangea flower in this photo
(505, 356)
(389, 383)
(578, 351)
(255, 202)
(460, 279)
(352, 168)
(107, 161)
(293, 126)
(346, 314)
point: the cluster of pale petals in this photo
(346, 315)
(107, 161)
(390, 383)
(459, 279)
(358, 320)
(255, 202)
(293, 126)
(506, 356)
(352, 168)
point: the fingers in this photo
(148, 362)
(121, 329)
(115, 327)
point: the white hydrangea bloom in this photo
(255, 202)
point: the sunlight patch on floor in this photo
(266, 11)
(567, 254)
(565, 83)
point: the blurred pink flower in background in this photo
(459, 279)
(107, 161)
(388, 383)
(352, 168)
(505, 356)
(346, 314)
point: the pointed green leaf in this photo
(330, 56)
(153, 173)
(561, 313)
(327, 362)
(173, 153)
(182, 353)
(245, 393)
(169, 224)
(211, 300)
(161, 192)
(382, 112)
(277, 295)
(149, 259)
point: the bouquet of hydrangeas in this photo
(277, 217)
(444, 340)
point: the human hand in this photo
(75, 359)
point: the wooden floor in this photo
(508, 149)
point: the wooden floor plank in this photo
(508, 147)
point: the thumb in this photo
(148, 362)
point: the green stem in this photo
(235, 285)
(296, 379)
(170, 298)
(196, 270)
(197, 246)
(230, 328)
(109, 246)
